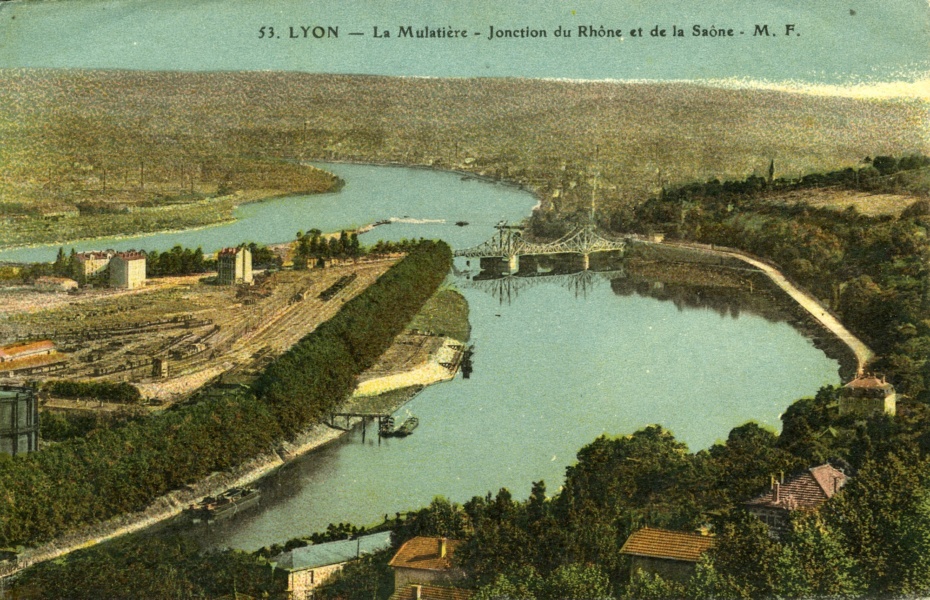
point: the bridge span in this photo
(508, 244)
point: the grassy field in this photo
(446, 313)
(125, 144)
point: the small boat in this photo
(461, 223)
(225, 505)
(405, 429)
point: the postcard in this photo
(464, 299)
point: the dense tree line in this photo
(313, 246)
(177, 261)
(61, 426)
(105, 391)
(152, 568)
(114, 471)
(323, 364)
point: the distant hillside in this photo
(113, 141)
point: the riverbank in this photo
(810, 305)
(187, 217)
(172, 504)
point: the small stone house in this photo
(431, 592)
(308, 567)
(867, 395)
(670, 554)
(424, 564)
(806, 492)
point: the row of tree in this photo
(105, 391)
(312, 247)
(115, 471)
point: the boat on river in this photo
(405, 429)
(225, 505)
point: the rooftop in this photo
(662, 543)
(93, 254)
(424, 553)
(869, 382)
(131, 255)
(332, 553)
(808, 490)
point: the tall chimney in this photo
(442, 547)
(418, 590)
(777, 487)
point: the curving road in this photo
(863, 353)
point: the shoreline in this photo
(172, 504)
(258, 199)
(819, 314)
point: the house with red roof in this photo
(670, 554)
(867, 395)
(805, 492)
(424, 570)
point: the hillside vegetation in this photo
(132, 145)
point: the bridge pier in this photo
(586, 261)
(513, 264)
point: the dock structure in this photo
(508, 244)
(372, 408)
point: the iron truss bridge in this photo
(509, 242)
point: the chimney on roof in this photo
(418, 591)
(442, 547)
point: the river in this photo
(561, 361)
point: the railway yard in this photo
(175, 334)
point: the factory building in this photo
(234, 265)
(19, 420)
(127, 270)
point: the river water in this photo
(559, 361)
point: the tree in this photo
(575, 581)
(816, 562)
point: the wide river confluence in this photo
(553, 369)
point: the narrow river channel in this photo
(561, 361)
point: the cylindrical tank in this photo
(19, 420)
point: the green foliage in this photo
(177, 261)
(883, 517)
(114, 471)
(152, 568)
(305, 384)
(105, 391)
(61, 426)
